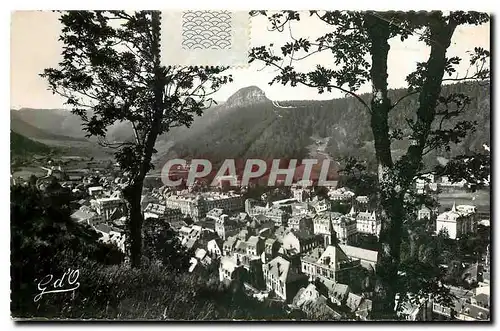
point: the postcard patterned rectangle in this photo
(204, 37)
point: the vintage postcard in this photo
(210, 165)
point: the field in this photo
(480, 198)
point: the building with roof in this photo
(284, 202)
(300, 209)
(311, 301)
(215, 213)
(271, 247)
(446, 182)
(96, 192)
(363, 199)
(240, 248)
(338, 293)
(229, 202)
(86, 215)
(353, 301)
(341, 194)
(231, 269)
(475, 308)
(190, 243)
(424, 212)
(189, 205)
(481, 300)
(471, 274)
(215, 248)
(345, 228)
(333, 264)
(255, 245)
(442, 312)
(281, 278)
(368, 258)
(244, 234)
(190, 236)
(367, 223)
(202, 256)
(109, 208)
(111, 234)
(160, 211)
(321, 206)
(281, 232)
(413, 309)
(278, 216)
(322, 225)
(225, 227)
(300, 194)
(466, 209)
(364, 310)
(301, 223)
(229, 245)
(299, 242)
(472, 312)
(456, 223)
(275, 214)
(424, 182)
(197, 205)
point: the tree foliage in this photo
(45, 240)
(162, 244)
(355, 37)
(111, 72)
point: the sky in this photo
(35, 46)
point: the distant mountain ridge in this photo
(249, 125)
(29, 126)
(287, 129)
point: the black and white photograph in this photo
(250, 165)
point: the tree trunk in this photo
(411, 163)
(394, 182)
(133, 193)
(390, 198)
(440, 36)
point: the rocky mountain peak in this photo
(246, 96)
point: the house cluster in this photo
(297, 250)
(473, 305)
(430, 182)
(196, 205)
(320, 296)
(285, 249)
(470, 301)
(340, 194)
(105, 212)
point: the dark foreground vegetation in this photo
(45, 241)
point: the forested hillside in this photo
(283, 130)
(22, 146)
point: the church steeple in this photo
(352, 211)
(454, 208)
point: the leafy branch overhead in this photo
(349, 44)
(109, 71)
(357, 46)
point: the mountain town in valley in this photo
(310, 247)
(155, 176)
